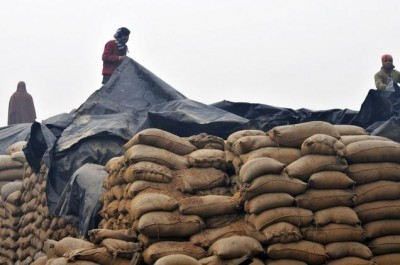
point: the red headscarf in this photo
(387, 58)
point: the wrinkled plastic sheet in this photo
(12, 134)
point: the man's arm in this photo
(379, 82)
(108, 53)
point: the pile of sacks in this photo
(12, 163)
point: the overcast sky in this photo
(315, 54)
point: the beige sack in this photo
(363, 173)
(379, 210)
(348, 139)
(351, 261)
(330, 180)
(97, 255)
(309, 252)
(385, 245)
(340, 250)
(382, 228)
(199, 179)
(347, 129)
(70, 243)
(322, 144)
(284, 262)
(331, 233)
(254, 168)
(242, 133)
(177, 259)
(316, 200)
(207, 158)
(15, 147)
(148, 171)
(377, 191)
(250, 143)
(387, 259)
(282, 232)
(268, 201)
(285, 155)
(336, 215)
(373, 151)
(207, 206)
(150, 202)
(236, 247)
(97, 235)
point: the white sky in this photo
(316, 54)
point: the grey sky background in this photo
(315, 54)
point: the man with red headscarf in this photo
(21, 108)
(387, 78)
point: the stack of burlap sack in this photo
(12, 163)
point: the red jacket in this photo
(111, 57)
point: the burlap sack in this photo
(6, 162)
(161, 139)
(347, 129)
(284, 262)
(385, 245)
(387, 259)
(14, 198)
(151, 202)
(348, 139)
(282, 232)
(114, 164)
(336, 215)
(118, 191)
(330, 180)
(148, 241)
(284, 155)
(322, 144)
(273, 183)
(97, 255)
(373, 151)
(382, 228)
(236, 247)
(226, 191)
(250, 143)
(331, 233)
(121, 247)
(215, 260)
(162, 249)
(206, 141)
(268, 201)
(259, 166)
(11, 174)
(242, 133)
(307, 165)
(140, 152)
(198, 179)
(166, 224)
(15, 147)
(309, 252)
(111, 210)
(377, 191)
(251, 231)
(294, 135)
(219, 221)
(207, 158)
(209, 205)
(40, 261)
(351, 261)
(316, 200)
(19, 156)
(363, 173)
(148, 171)
(141, 185)
(340, 250)
(177, 259)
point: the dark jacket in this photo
(111, 57)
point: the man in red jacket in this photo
(114, 52)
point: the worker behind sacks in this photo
(387, 78)
(21, 108)
(114, 52)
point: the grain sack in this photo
(282, 232)
(121, 247)
(373, 151)
(284, 155)
(138, 153)
(316, 200)
(114, 164)
(6, 162)
(363, 173)
(11, 174)
(207, 158)
(268, 201)
(330, 180)
(19, 156)
(40, 261)
(385, 245)
(322, 144)
(166, 248)
(177, 259)
(284, 262)
(235, 247)
(336, 215)
(340, 250)
(111, 210)
(15, 147)
(142, 185)
(9, 188)
(250, 143)
(222, 220)
(254, 168)
(198, 179)
(374, 211)
(351, 261)
(209, 205)
(206, 141)
(294, 215)
(273, 183)
(215, 260)
(333, 233)
(118, 191)
(161, 139)
(347, 129)
(70, 243)
(242, 133)
(307, 165)
(226, 191)
(382, 228)
(294, 135)
(97, 255)
(348, 139)
(387, 259)
(166, 224)
(377, 191)
(97, 235)
(148, 171)
(148, 241)
(309, 252)
(151, 202)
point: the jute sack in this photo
(219, 221)
(382, 228)
(282, 232)
(70, 243)
(40, 261)
(347, 129)
(12, 174)
(307, 165)
(64, 261)
(316, 200)
(331, 233)
(216, 260)
(161, 139)
(330, 180)
(285, 262)
(385, 245)
(322, 144)
(114, 164)
(273, 183)
(177, 259)
(151, 202)
(140, 152)
(148, 241)
(6, 162)
(340, 250)
(250, 143)
(387, 259)
(206, 141)
(142, 185)
(207, 237)
(377, 191)
(198, 179)
(236, 247)
(336, 215)
(242, 133)
(294, 215)
(254, 168)
(207, 158)
(373, 151)
(351, 261)
(166, 224)
(285, 155)
(15, 147)
(379, 210)
(118, 191)
(268, 201)
(19, 156)
(166, 248)
(97, 255)
(120, 247)
(9, 188)
(148, 171)
(111, 210)
(348, 139)
(363, 173)
(309, 252)
(209, 205)
(294, 135)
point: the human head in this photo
(387, 61)
(122, 35)
(21, 86)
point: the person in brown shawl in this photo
(21, 108)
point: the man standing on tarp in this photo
(387, 78)
(21, 108)
(114, 52)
